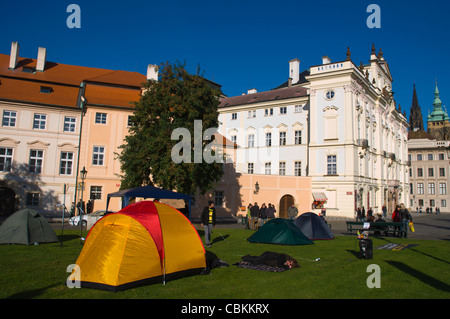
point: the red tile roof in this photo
(111, 88)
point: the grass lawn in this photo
(419, 272)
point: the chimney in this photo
(294, 70)
(152, 72)
(42, 55)
(14, 56)
(326, 60)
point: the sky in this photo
(241, 44)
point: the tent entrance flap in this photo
(148, 192)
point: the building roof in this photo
(419, 134)
(273, 95)
(103, 87)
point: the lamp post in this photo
(83, 173)
(256, 191)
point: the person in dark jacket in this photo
(271, 211)
(208, 221)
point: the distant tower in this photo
(415, 116)
(438, 120)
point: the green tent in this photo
(27, 227)
(280, 231)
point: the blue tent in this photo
(147, 192)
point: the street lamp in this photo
(83, 173)
(256, 188)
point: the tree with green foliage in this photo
(177, 100)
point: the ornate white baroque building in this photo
(335, 123)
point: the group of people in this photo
(399, 215)
(259, 215)
(429, 210)
(361, 215)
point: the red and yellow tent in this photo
(143, 243)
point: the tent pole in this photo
(164, 271)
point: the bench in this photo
(378, 227)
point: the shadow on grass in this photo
(435, 283)
(30, 293)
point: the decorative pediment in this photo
(8, 141)
(38, 143)
(297, 126)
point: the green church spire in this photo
(438, 114)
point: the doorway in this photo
(285, 202)
(8, 202)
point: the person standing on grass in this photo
(406, 218)
(292, 212)
(208, 219)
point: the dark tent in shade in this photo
(26, 226)
(313, 226)
(280, 231)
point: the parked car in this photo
(92, 218)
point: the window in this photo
(298, 137)
(411, 188)
(9, 118)
(283, 110)
(420, 188)
(250, 168)
(430, 157)
(218, 198)
(32, 199)
(268, 112)
(251, 140)
(431, 172)
(100, 118)
(234, 139)
(431, 189)
(298, 168)
(69, 123)
(6, 156)
(329, 95)
(331, 165)
(234, 116)
(131, 121)
(35, 163)
(66, 163)
(96, 192)
(268, 168)
(282, 168)
(419, 172)
(432, 203)
(268, 139)
(419, 157)
(251, 114)
(46, 89)
(442, 171)
(39, 121)
(298, 108)
(28, 69)
(442, 188)
(282, 138)
(441, 156)
(421, 202)
(98, 155)
(443, 203)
